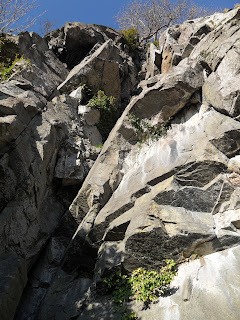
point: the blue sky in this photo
(98, 11)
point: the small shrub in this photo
(156, 43)
(132, 38)
(204, 54)
(120, 287)
(141, 285)
(7, 69)
(147, 286)
(106, 106)
(145, 130)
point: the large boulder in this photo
(74, 41)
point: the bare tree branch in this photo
(15, 15)
(46, 26)
(152, 16)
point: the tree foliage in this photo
(15, 15)
(152, 16)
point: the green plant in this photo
(141, 285)
(7, 69)
(147, 286)
(99, 146)
(119, 286)
(132, 37)
(156, 43)
(106, 106)
(144, 130)
(204, 54)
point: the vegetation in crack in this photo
(141, 285)
(144, 130)
(7, 69)
(108, 115)
(132, 38)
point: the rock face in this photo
(49, 140)
(164, 186)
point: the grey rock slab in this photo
(77, 94)
(221, 89)
(153, 62)
(10, 129)
(217, 43)
(173, 225)
(170, 93)
(33, 47)
(105, 63)
(163, 156)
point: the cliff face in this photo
(164, 186)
